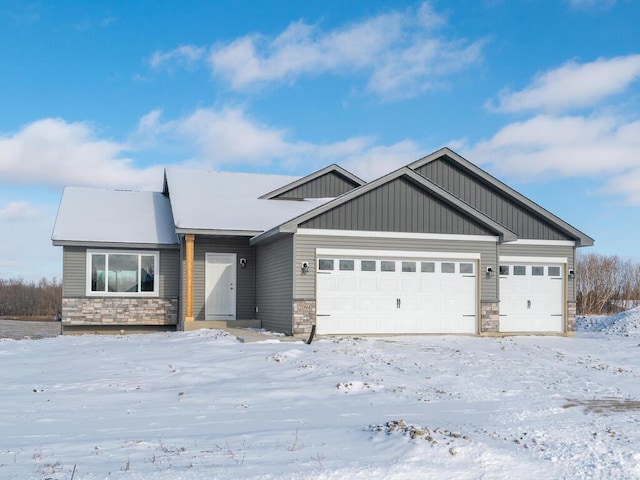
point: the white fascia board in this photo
(515, 259)
(399, 235)
(352, 252)
(77, 243)
(555, 243)
(232, 233)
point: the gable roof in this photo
(113, 217)
(228, 203)
(331, 170)
(581, 238)
(291, 226)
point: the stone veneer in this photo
(304, 315)
(490, 318)
(119, 311)
(571, 317)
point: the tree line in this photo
(606, 284)
(20, 298)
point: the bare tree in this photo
(19, 298)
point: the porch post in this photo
(189, 239)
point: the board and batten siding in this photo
(305, 251)
(274, 285)
(490, 201)
(561, 251)
(328, 185)
(397, 206)
(74, 271)
(245, 276)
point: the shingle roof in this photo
(93, 215)
(229, 202)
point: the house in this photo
(438, 246)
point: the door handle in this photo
(528, 304)
(398, 303)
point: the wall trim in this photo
(557, 243)
(514, 259)
(362, 252)
(420, 236)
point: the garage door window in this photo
(466, 268)
(504, 270)
(554, 271)
(387, 266)
(408, 266)
(519, 270)
(537, 271)
(448, 267)
(368, 266)
(325, 264)
(348, 265)
(428, 267)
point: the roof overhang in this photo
(121, 245)
(301, 181)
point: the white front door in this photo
(531, 297)
(220, 286)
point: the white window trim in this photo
(534, 260)
(156, 269)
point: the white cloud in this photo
(16, 211)
(573, 85)
(185, 56)
(571, 146)
(56, 153)
(402, 53)
(229, 138)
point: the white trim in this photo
(420, 236)
(538, 260)
(350, 252)
(557, 243)
(139, 253)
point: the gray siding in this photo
(245, 276)
(397, 206)
(491, 202)
(305, 251)
(568, 252)
(326, 186)
(274, 285)
(74, 272)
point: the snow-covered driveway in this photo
(199, 405)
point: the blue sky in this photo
(545, 95)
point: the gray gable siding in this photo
(326, 186)
(519, 250)
(397, 206)
(274, 285)
(305, 251)
(490, 201)
(245, 276)
(74, 272)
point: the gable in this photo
(494, 203)
(329, 185)
(398, 206)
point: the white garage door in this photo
(531, 297)
(392, 295)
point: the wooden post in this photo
(189, 239)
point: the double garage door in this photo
(358, 294)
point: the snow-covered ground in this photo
(200, 405)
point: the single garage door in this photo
(531, 297)
(396, 295)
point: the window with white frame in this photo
(122, 273)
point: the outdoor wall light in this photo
(572, 274)
(305, 267)
(243, 263)
(489, 271)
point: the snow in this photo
(624, 323)
(116, 216)
(209, 200)
(201, 405)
